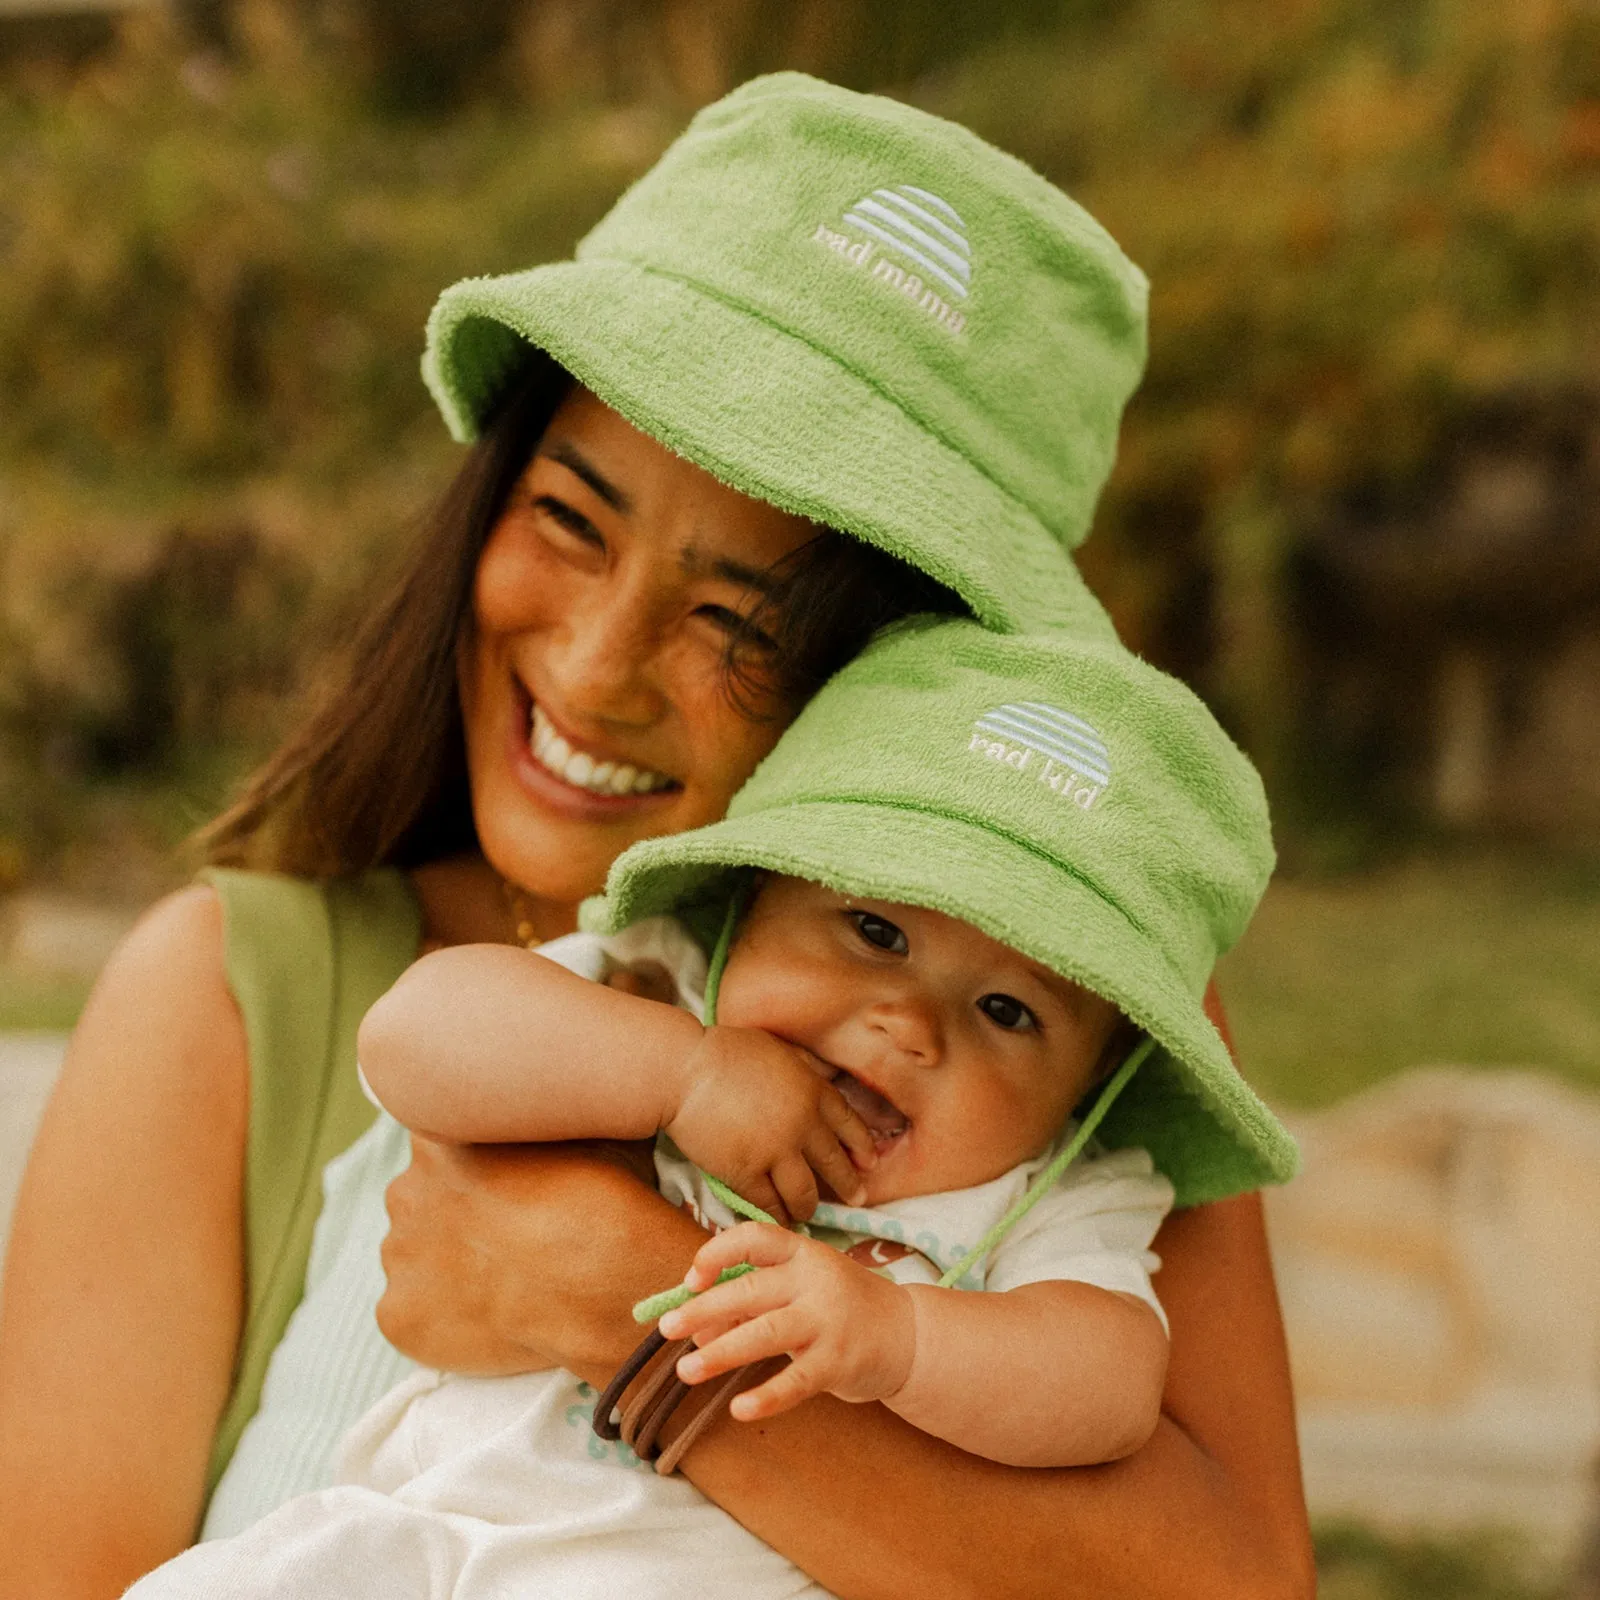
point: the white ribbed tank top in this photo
(332, 1362)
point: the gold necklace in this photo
(527, 934)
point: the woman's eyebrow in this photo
(761, 579)
(581, 466)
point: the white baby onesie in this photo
(494, 1488)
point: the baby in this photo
(974, 871)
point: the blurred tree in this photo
(1363, 220)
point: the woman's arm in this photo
(123, 1287)
(869, 1506)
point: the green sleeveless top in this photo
(304, 961)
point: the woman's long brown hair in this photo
(376, 774)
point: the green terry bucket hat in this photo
(858, 312)
(1059, 794)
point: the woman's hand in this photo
(510, 1258)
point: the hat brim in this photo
(768, 414)
(1187, 1105)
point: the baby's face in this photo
(962, 1056)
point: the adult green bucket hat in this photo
(1059, 794)
(858, 312)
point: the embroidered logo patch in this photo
(911, 240)
(1052, 746)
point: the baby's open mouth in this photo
(885, 1119)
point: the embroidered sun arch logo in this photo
(913, 241)
(1052, 746)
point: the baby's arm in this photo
(484, 1044)
(1050, 1374)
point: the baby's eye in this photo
(879, 932)
(1005, 1011)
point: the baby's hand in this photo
(847, 1331)
(761, 1115)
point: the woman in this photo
(599, 644)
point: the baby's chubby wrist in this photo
(704, 1065)
(908, 1333)
(677, 1063)
(893, 1340)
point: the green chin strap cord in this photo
(656, 1306)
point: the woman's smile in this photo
(581, 777)
(594, 683)
(595, 774)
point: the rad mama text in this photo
(1046, 769)
(860, 253)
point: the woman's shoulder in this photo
(173, 956)
(236, 955)
(161, 1025)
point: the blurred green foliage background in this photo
(1373, 233)
(222, 225)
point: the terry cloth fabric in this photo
(858, 312)
(1062, 796)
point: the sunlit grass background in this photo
(1468, 957)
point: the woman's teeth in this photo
(582, 771)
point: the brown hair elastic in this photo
(639, 1420)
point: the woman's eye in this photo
(879, 932)
(1006, 1011)
(738, 627)
(569, 520)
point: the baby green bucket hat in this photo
(1059, 794)
(857, 312)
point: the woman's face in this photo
(592, 680)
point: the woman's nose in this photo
(602, 664)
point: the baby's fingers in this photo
(831, 1162)
(781, 1392)
(774, 1333)
(850, 1130)
(752, 1242)
(762, 1193)
(793, 1179)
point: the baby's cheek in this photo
(1020, 1118)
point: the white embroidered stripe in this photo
(1072, 755)
(927, 218)
(933, 200)
(1089, 750)
(1061, 718)
(919, 236)
(931, 267)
